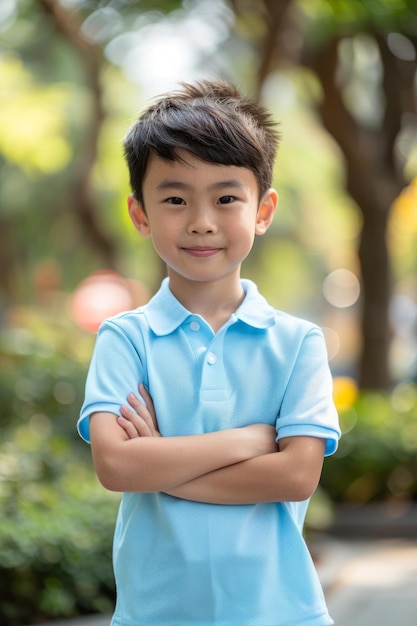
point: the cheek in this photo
(243, 229)
(163, 237)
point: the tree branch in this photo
(271, 45)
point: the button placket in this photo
(208, 349)
(199, 337)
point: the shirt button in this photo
(195, 326)
(211, 358)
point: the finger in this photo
(145, 395)
(149, 404)
(128, 427)
(137, 421)
(142, 411)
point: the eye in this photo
(175, 200)
(226, 199)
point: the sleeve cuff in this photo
(331, 436)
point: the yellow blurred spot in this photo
(53, 155)
(405, 206)
(403, 222)
(33, 125)
(345, 392)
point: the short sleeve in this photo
(116, 370)
(307, 408)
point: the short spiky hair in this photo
(211, 120)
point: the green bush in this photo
(55, 552)
(57, 522)
(376, 459)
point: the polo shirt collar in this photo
(165, 313)
(255, 310)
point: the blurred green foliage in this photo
(57, 522)
(377, 454)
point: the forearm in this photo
(148, 464)
(277, 477)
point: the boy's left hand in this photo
(139, 420)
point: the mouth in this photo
(201, 251)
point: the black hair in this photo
(209, 119)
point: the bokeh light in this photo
(341, 288)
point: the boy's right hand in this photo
(262, 438)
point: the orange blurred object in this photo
(102, 295)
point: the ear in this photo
(138, 216)
(267, 207)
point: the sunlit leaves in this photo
(33, 127)
(367, 11)
(403, 229)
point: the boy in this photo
(221, 447)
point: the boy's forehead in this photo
(188, 167)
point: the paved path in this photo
(370, 583)
(367, 582)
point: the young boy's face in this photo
(202, 217)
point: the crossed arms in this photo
(234, 466)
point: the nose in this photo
(201, 222)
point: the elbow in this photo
(303, 493)
(116, 474)
(304, 487)
(110, 472)
(108, 478)
(110, 484)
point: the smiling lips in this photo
(201, 251)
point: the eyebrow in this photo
(222, 184)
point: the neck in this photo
(215, 302)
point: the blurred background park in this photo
(340, 77)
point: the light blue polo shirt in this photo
(178, 562)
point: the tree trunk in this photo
(373, 256)
(83, 201)
(373, 183)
